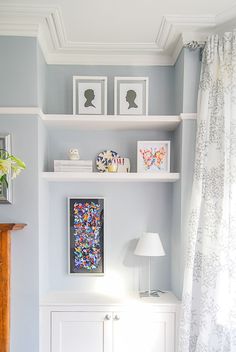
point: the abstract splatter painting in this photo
(86, 235)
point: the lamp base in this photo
(152, 293)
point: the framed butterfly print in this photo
(153, 156)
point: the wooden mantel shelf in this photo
(5, 277)
(11, 227)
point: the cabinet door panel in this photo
(81, 331)
(154, 332)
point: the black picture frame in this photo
(86, 235)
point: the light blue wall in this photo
(187, 74)
(176, 254)
(25, 266)
(179, 83)
(18, 71)
(161, 87)
(41, 78)
(131, 208)
(192, 68)
(19, 87)
(184, 143)
(90, 143)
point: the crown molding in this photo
(225, 16)
(174, 25)
(46, 23)
(109, 59)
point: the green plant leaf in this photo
(19, 162)
(3, 180)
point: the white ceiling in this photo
(114, 31)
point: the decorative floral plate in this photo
(104, 159)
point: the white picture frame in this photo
(131, 95)
(6, 192)
(89, 95)
(153, 156)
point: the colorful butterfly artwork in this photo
(153, 156)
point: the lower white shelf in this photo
(110, 177)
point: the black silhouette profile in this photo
(130, 98)
(89, 96)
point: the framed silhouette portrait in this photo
(89, 95)
(131, 96)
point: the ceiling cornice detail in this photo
(46, 23)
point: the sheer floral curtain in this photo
(208, 318)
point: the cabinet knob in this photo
(107, 317)
(117, 317)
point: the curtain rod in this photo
(194, 45)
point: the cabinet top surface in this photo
(76, 298)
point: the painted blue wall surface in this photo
(179, 83)
(25, 259)
(130, 210)
(18, 71)
(41, 78)
(161, 87)
(39, 260)
(192, 68)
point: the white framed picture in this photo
(5, 192)
(153, 156)
(89, 95)
(131, 95)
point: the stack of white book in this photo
(73, 166)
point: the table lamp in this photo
(149, 245)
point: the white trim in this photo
(112, 122)
(188, 116)
(110, 177)
(106, 59)
(177, 50)
(20, 111)
(46, 23)
(226, 15)
(93, 119)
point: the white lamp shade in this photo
(149, 245)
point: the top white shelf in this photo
(112, 122)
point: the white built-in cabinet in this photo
(85, 331)
(137, 326)
(98, 325)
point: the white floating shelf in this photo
(112, 122)
(110, 177)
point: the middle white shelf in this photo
(110, 177)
